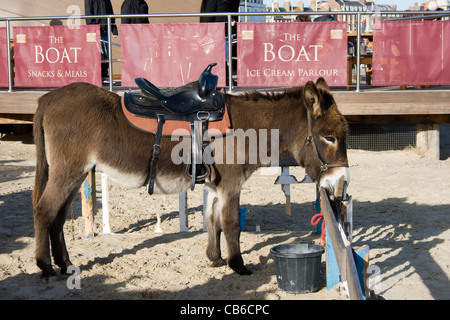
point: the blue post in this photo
(333, 276)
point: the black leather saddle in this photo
(197, 103)
(194, 101)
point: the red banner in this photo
(3, 59)
(53, 56)
(411, 53)
(290, 54)
(170, 55)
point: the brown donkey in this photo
(80, 126)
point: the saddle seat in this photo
(196, 104)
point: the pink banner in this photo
(170, 55)
(290, 54)
(3, 59)
(411, 53)
(53, 56)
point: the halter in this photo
(323, 166)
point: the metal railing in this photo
(229, 16)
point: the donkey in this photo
(80, 126)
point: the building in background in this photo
(252, 6)
(352, 6)
(443, 4)
(285, 6)
(431, 5)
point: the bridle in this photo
(310, 141)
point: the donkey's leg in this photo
(44, 218)
(42, 251)
(59, 249)
(213, 226)
(47, 219)
(232, 231)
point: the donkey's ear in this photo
(321, 84)
(312, 99)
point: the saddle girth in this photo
(155, 154)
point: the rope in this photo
(315, 220)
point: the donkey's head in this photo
(324, 154)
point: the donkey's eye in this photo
(330, 139)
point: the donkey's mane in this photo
(289, 93)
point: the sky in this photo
(401, 4)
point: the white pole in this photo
(105, 206)
(246, 10)
(182, 200)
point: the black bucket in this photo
(297, 266)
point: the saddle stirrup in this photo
(196, 151)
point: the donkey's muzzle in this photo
(336, 180)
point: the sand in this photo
(401, 211)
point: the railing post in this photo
(110, 67)
(8, 54)
(246, 11)
(358, 53)
(230, 54)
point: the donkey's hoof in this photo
(48, 276)
(244, 272)
(237, 264)
(64, 268)
(218, 262)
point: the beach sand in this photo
(401, 211)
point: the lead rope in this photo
(315, 220)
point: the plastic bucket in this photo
(297, 266)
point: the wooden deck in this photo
(413, 106)
(416, 106)
(426, 108)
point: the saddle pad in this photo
(150, 125)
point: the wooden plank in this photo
(395, 119)
(393, 102)
(354, 286)
(10, 118)
(20, 102)
(88, 196)
(343, 253)
(361, 257)
(419, 106)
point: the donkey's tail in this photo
(41, 176)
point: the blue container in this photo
(242, 214)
